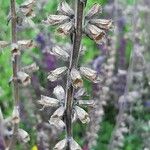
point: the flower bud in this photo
(95, 10)
(79, 93)
(76, 78)
(60, 53)
(82, 115)
(59, 92)
(48, 101)
(23, 136)
(23, 78)
(57, 73)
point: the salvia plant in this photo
(119, 75)
(68, 99)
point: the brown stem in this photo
(73, 64)
(15, 67)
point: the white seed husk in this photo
(48, 101)
(82, 115)
(76, 78)
(95, 10)
(57, 73)
(23, 136)
(59, 92)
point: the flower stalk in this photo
(73, 64)
(15, 59)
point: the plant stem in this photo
(15, 67)
(73, 64)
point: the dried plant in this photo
(68, 102)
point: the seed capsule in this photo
(58, 113)
(57, 122)
(89, 73)
(48, 101)
(97, 34)
(30, 68)
(82, 115)
(57, 73)
(23, 136)
(76, 78)
(60, 53)
(59, 92)
(23, 78)
(65, 9)
(65, 28)
(95, 10)
(56, 19)
(25, 44)
(3, 44)
(102, 23)
(15, 115)
(15, 50)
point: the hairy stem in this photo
(73, 64)
(15, 67)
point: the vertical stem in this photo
(15, 68)
(73, 64)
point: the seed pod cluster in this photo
(95, 29)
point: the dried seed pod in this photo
(57, 122)
(59, 92)
(65, 9)
(74, 145)
(101, 23)
(26, 7)
(97, 34)
(58, 113)
(56, 19)
(79, 93)
(82, 115)
(25, 44)
(48, 101)
(23, 136)
(30, 68)
(23, 78)
(60, 53)
(76, 78)
(66, 28)
(95, 10)
(89, 73)
(3, 44)
(15, 115)
(87, 103)
(61, 145)
(15, 50)
(57, 73)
